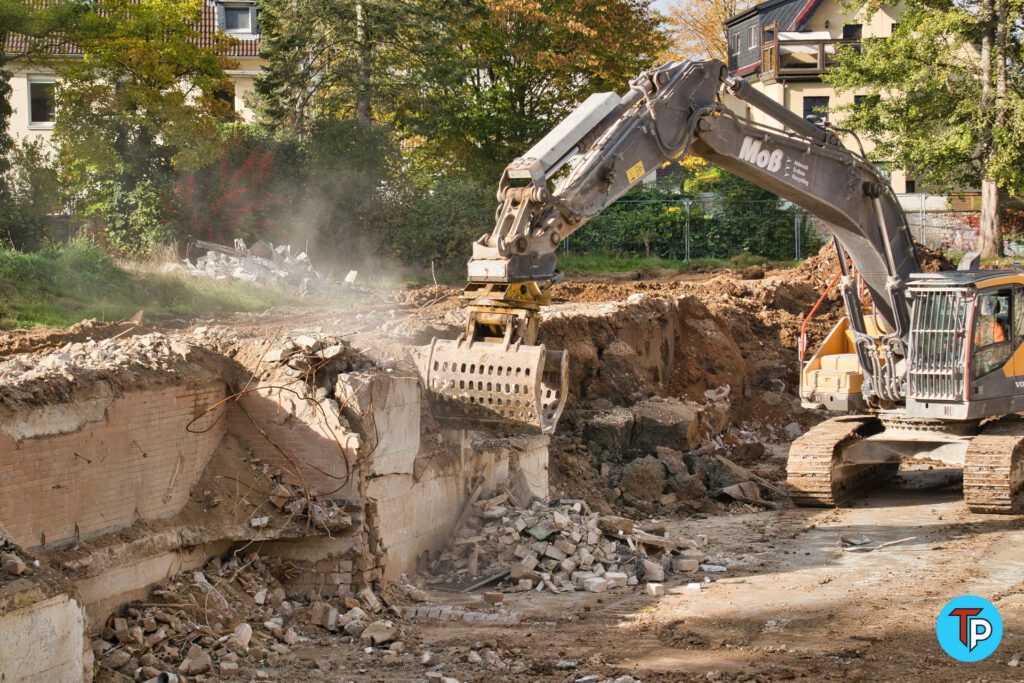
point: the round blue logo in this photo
(969, 628)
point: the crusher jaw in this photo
(495, 377)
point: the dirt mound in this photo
(629, 351)
(822, 267)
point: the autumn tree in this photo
(696, 28)
(520, 67)
(24, 170)
(349, 59)
(945, 99)
(143, 100)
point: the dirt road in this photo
(797, 606)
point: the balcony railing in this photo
(785, 54)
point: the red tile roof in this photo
(208, 38)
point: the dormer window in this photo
(237, 18)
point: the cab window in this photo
(993, 327)
(1018, 315)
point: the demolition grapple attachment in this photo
(495, 377)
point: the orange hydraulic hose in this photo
(807, 319)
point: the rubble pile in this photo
(662, 455)
(153, 351)
(230, 620)
(564, 547)
(263, 264)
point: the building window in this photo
(237, 19)
(42, 105)
(911, 187)
(734, 43)
(816, 108)
(753, 37)
(852, 31)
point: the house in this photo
(782, 47)
(32, 96)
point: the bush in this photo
(31, 192)
(739, 218)
(243, 193)
(436, 221)
(132, 221)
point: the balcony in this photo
(795, 54)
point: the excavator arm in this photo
(593, 157)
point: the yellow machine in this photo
(930, 362)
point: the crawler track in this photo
(815, 473)
(994, 467)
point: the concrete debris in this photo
(561, 547)
(656, 590)
(145, 351)
(209, 622)
(264, 264)
(379, 633)
(12, 564)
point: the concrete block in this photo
(655, 589)
(684, 564)
(616, 579)
(653, 571)
(595, 585)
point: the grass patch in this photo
(61, 285)
(596, 264)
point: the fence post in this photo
(796, 230)
(923, 237)
(686, 234)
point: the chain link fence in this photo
(703, 227)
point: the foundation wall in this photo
(313, 453)
(419, 483)
(44, 642)
(133, 460)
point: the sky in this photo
(660, 5)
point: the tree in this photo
(142, 101)
(945, 99)
(350, 59)
(697, 28)
(521, 67)
(20, 201)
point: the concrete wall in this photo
(419, 482)
(130, 460)
(43, 642)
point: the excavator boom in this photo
(593, 157)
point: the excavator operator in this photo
(990, 329)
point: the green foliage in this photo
(58, 286)
(597, 263)
(521, 67)
(925, 107)
(356, 59)
(132, 217)
(140, 102)
(437, 221)
(740, 219)
(33, 193)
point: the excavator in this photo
(923, 368)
